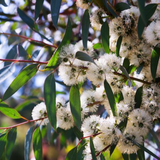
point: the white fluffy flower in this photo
(71, 74)
(96, 19)
(90, 125)
(64, 117)
(39, 111)
(82, 4)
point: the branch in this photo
(133, 78)
(20, 124)
(30, 39)
(22, 61)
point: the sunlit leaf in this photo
(39, 5)
(72, 154)
(55, 60)
(97, 46)
(154, 61)
(92, 149)
(138, 97)
(11, 138)
(105, 36)
(84, 57)
(75, 105)
(24, 76)
(27, 143)
(110, 96)
(50, 99)
(85, 28)
(10, 112)
(37, 144)
(55, 7)
(3, 140)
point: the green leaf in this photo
(154, 61)
(12, 54)
(10, 112)
(105, 36)
(3, 3)
(49, 127)
(123, 69)
(140, 27)
(27, 143)
(55, 7)
(121, 6)
(3, 140)
(97, 46)
(80, 152)
(131, 69)
(75, 105)
(50, 99)
(11, 138)
(102, 157)
(21, 51)
(150, 9)
(133, 156)
(72, 154)
(141, 4)
(125, 156)
(85, 28)
(37, 144)
(39, 5)
(29, 21)
(55, 60)
(139, 69)
(24, 76)
(118, 45)
(84, 57)
(118, 97)
(140, 154)
(110, 96)
(126, 63)
(138, 97)
(143, 148)
(78, 133)
(112, 148)
(92, 149)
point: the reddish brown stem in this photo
(29, 39)
(17, 125)
(103, 150)
(22, 61)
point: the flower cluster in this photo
(128, 123)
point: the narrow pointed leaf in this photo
(3, 3)
(138, 97)
(150, 9)
(140, 27)
(121, 6)
(105, 36)
(3, 140)
(27, 143)
(102, 157)
(154, 61)
(29, 21)
(125, 156)
(75, 105)
(12, 54)
(49, 127)
(55, 60)
(143, 148)
(55, 7)
(11, 138)
(118, 45)
(123, 69)
(112, 148)
(10, 112)
(37, 144)
(24, 76)
(97, 46)
(39, 5)
(140, 154)
(92, 149)
(133, 156)
(22, 52)
(85, 28)
(84, 57)
(110, 96)
(72, 154)
(50, 99)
